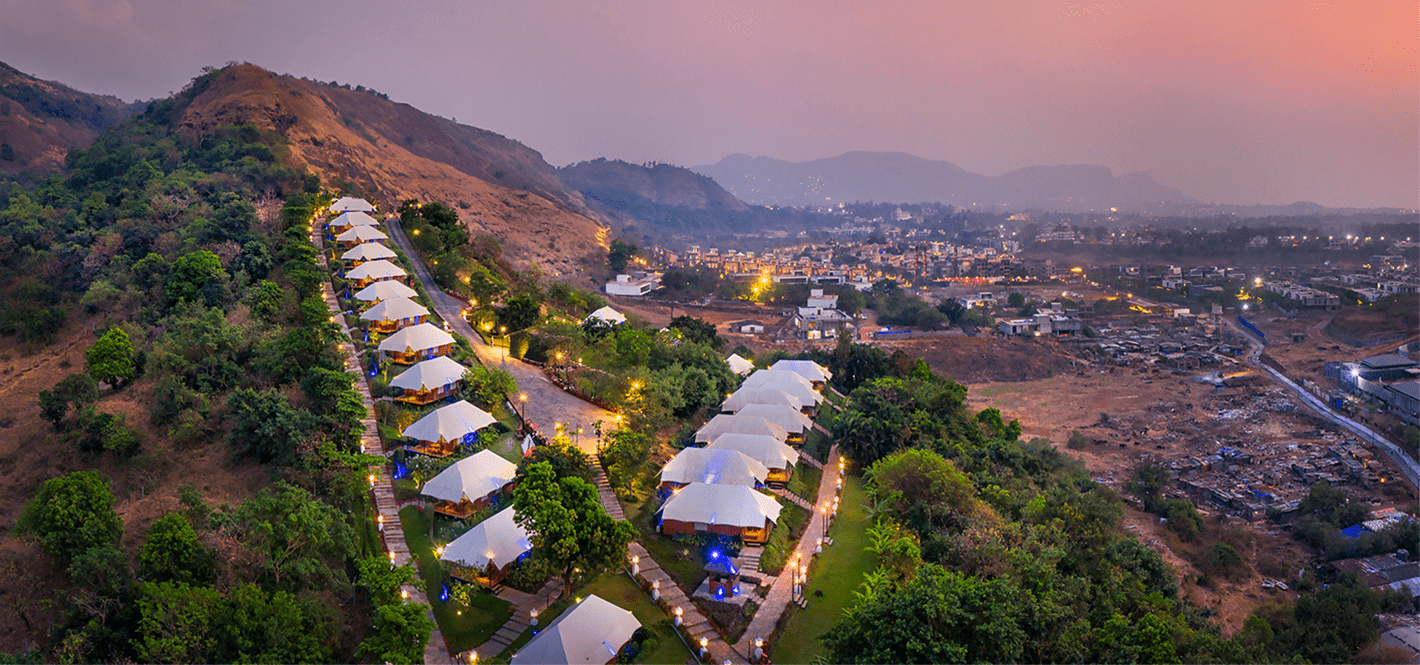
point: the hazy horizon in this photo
(1267, 103)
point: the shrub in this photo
(1077, 440)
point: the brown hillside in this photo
(394, 152)
(42, 121)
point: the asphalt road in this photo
(547, 404)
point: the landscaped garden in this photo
(464, 625)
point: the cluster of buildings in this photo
(1389, 379)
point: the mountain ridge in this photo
(41, 121)
(906, 178)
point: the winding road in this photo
(547, 404)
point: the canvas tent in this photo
(739, 365)
(490, 545)
(395, 313)
(348, 203)
(747, 396)
(725, 467)
(380, 291)
(361, 234)
(590, 632)
(731, 510)
(775, 455)
(607, 316)
(433, 375)
(369, 251)
(814, 372)
(374, 271)
(788, 382)
(353, 218)
(726, 423)
(468, 485)
(449, 424)
(791, 419)
(414, 343)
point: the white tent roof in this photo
(449, 423)
(354, 218)
(589, 633)
(350, 203)
(384, 291)
(806, 368)
(380, 269)
(788, 382)
(735, 505)
(429, 374)
(722, 466)
(393, 309)
(771, 452)
(472, 477)
(788, 417)
(362, 234)
(498, 540)
(739, 365)
(606, 315)
(416, 338)
(726, 423)
(368, 252)
(747, 396)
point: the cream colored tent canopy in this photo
(589, 633)
(724, 467)
(416, 338)
(498, 540)
(733, 505)
(449, 423)
(472, 477)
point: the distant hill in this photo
(392, 152)
(662, 184)
(904, 178)
(41, 121)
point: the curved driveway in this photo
(547, 404)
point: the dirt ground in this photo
(145, 486)
(1157, 416)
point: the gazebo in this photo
(488, 549)
(723, 577)
(370, 272)
(470, 484)
(381, 291)
(367, 252)
(441, 432)
(410, 345)
(606, 316)
(392, 314)
(430, 380)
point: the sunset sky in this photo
(1231, 101)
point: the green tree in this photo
(254, 626)
(110, 359)
(191, 273)
(569, 527)
(619, 255)
(488, 386)
(266, 425)
(74, 390)
(177, 624)
(921, 488)
(71, 514)
(172, 553)
(400, 633)
(521, 311)
(1148, 484)
(265, 299)
(382, 580)
(566, 459)
(297, 538)
(699, 331)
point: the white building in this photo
(636, 284)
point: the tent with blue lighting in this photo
(353, 218)
(590, 632)
(700, 465)
(382, 291)
(496, 542)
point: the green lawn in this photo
(666, 552)
(837, 573)
(805, 482)
(463, 627)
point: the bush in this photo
(1077, 440)
(1221, 560)
(71, 514)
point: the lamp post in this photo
(823, 510)
(758, 648)
(533, 614)
(655, 589)
(523, 402)
(635, 564)
(704, 646)
(678, 615)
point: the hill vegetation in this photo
(41, 121)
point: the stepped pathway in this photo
(781, 594)
(809, 459)
(523, 604)
(796, 499)
(695, 624)
(821, 429)
(748, 560)
(605, 493)
(436, 651)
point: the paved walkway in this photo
(604, 491)
(436, 651)
(696, 625)
(781, 594)
(523, 604)
(547, 403)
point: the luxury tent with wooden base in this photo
(442, 431)
(470, 484)
(392, 314)
(410, 345)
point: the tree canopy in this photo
(567, 523)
